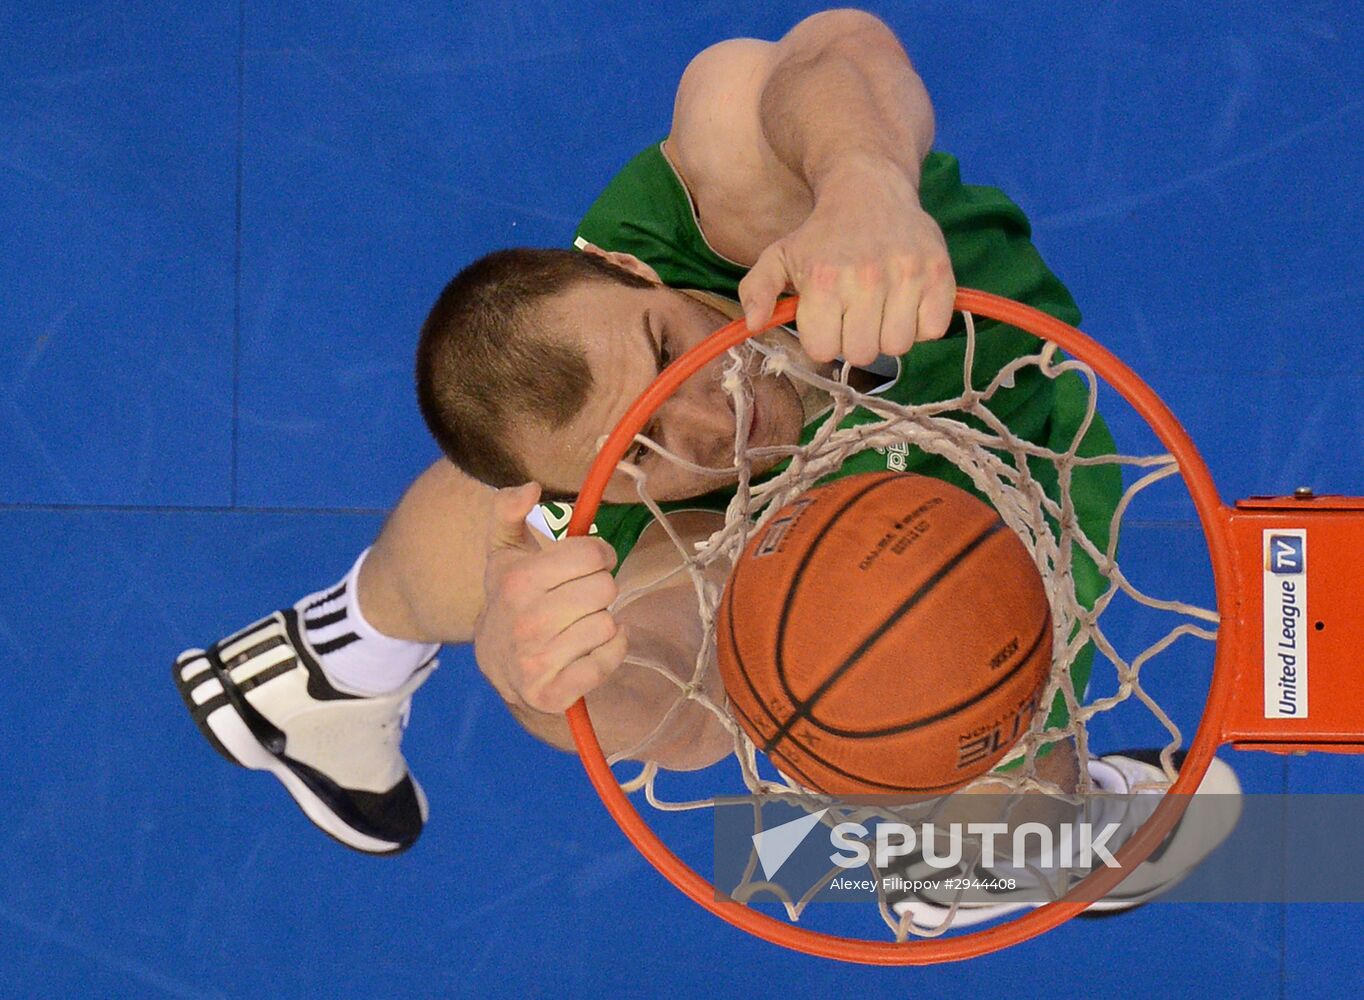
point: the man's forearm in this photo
(844, 95)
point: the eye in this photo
(638, 453)
(665, 354)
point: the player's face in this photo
(628, 335)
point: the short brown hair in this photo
(481, 363)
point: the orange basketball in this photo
(884, 633)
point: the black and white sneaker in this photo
(260, 698)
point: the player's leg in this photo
(318, 693)
(423, 579)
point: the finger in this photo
(560, 690)
(573, 601)
(764, 282)
(938, 301)
(579, 640)
(819, 317)
(861, 333)
(900, 320)
(509, 509)
(535, 585)
(572, 559)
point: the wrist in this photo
(860, 175)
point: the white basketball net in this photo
(996, 461)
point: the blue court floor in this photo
(220, 228)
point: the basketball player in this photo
(801, 164)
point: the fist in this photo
(545, 637)
(871, 268)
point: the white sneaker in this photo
(261, 700)
(1196, 835)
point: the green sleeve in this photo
(645, 210)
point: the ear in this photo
(624, 261)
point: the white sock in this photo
(355, 656)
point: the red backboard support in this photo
(1300, 667)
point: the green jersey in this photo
(647, 211)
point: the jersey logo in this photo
(557, 515)
(897, 456)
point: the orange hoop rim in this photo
(1212, 515)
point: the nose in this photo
(698, 424)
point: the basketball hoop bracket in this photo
(1298, 625)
